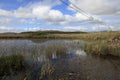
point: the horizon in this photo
(62, 15)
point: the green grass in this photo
(11, 65)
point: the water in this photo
(60, 60)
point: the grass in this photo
(102, 43)
(102, 48)
(56, 49)
(11, 65)
(46, 70)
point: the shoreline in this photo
(104, 43)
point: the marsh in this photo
(55, 60)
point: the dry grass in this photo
(98, 43)
(107, 43)
(83, 36)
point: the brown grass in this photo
(102, 43)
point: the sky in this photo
(69, 15)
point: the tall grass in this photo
(98, 43)
(102, 48)
(46, 70)
(11, 65)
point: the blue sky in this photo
(35, 15)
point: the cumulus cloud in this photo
(23, 13)
(43, 10)
(32, 29)
(87, 29)
(4, 20)
(48, 14)
(17, 30)
(100, 28)
(5, 13)
(75, 28)
(7, 29)
(99, 7)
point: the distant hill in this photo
(54, 32)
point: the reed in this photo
(102, 48)
(11, 65)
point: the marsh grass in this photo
(102, 43)
(56, 50)
(11, 65)
(102, 48)
(96, 48)
(47, 70)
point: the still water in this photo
(60, 60)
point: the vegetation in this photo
(11, 65)
(102, 48)
(47, 70)
(101, 43)
(39, 34)
(106, 43)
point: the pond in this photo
(59, 60)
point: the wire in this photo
(81, 11)
(74, 8)
(79, 8)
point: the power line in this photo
(77, 9)
(81, 11)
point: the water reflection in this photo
(42, 51)
(61, 60)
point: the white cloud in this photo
(55, 15)
(80, 17)
(4, 20)
(44, 11)
(4, 28)
(99, 7)
(32, 29)
(5, 13)
(7, 29)
(41, 12)
(17, 30)
(75, 28)
(23, 13)
(48, 14)
(99, 28)
(88, 29)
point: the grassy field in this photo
(102, 43)
(40, 34)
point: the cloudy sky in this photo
(71, 15)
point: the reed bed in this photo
(11, 65)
